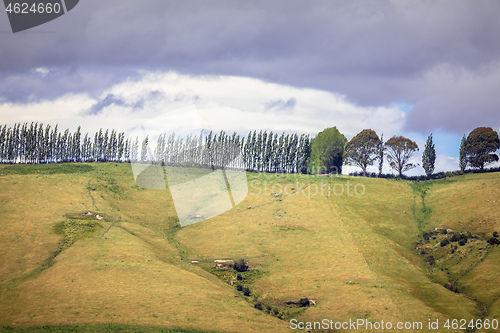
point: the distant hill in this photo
(83, 245)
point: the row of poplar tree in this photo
(35, 143)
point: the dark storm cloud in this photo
(111, 99)
(32, 85)
(373, 52)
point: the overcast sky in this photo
(398, 67)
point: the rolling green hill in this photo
(82, 245)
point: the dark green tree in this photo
(462, 162)
(429, 157)
(480, 147)
(399, 150)
(327, 150)
(363, 149)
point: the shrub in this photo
(258, 306)
(246, 291)
(239, 277)
(304, 302)
(430, 259)
(239, 287)
(457, 237)
(493, 241)
(451, 287)
(240, 265)
(495, 233)
(444, 242)
(462, 242)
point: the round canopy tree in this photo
(327, 150)
(399, 151)
(363, 149)
(480, 147)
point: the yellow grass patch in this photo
(346, 242)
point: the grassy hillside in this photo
(83, 245)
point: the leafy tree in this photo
(112, 146)
(381, 155)
(3, 136)
(121, 146)
(462, 163)
(480, 147)
(126, 150)
(429, 156)
(76, 145)
(399, 152)
(363, 149)
(134, 149)
(144, 149)
(46, 144)
(327, 150)
(303, 155)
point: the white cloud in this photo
(42, 70)
(63, 111)
(242, 104)
(224, 102)
(445, 163)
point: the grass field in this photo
(84, 247)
